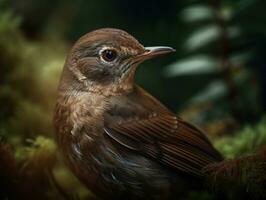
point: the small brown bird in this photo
(117, 139)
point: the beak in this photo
(151, 52)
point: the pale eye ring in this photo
(108, 55)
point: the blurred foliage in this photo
(28, 87)
(213, 47)
(35, 36)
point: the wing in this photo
(141, 123)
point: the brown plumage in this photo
(118, 139)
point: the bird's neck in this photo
(82, 105)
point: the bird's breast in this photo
(79, 124)
(79, 131)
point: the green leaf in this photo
(200, 64)
(207, 35)
(202, 37)
(240, 58)
(215, 90)
(197, 13)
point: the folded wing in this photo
(141, 123)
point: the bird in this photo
(119, 140)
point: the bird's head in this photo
(106, 59)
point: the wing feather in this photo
(141, 123)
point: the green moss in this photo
(41, 148)
(69, 183)
(244, 141)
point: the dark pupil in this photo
(109, 55)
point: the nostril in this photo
(147, 50)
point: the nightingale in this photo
(119, 140)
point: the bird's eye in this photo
(108, 55)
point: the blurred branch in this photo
(226, 64)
